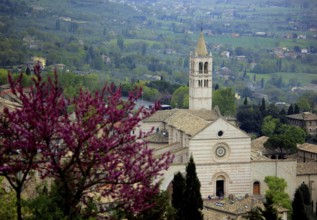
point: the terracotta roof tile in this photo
(306, 168)
(307, 116)
(187, 122)
(312, 148)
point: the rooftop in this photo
(189, 121)
(306, 116)
(201, 48)
(312, 148)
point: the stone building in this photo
(305, 120)
(227, 161)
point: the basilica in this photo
(227, 161)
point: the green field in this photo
(302, 78)
(259, 42)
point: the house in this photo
(308, 152)
(305, 120)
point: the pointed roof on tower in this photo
(201, 48)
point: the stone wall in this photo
(281, 168)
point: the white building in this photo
(226, 160)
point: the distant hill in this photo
(142, 39)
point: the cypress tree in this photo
(296, 110)
(306, 194)
(270, 213)
(299, 209)
(245, 101)
(193, 203)
(262, 107)
(290, 110)
(283, 112)
(178, 195)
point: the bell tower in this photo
(200, 77)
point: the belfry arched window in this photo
(200, 67)
(206, 67)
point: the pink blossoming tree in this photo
(89, 150)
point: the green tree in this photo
(120, 43)
(254, 214)
(306, 193)
(301, 203)
(263, 107)
(162, 209)
(249, 118)
(178, 195)
(290, 110)
(296, 109)
(48, 204)
(224, 98)
(7, 202)
(245, 102)
(276, 192)
(281, 143)
(294, 134)
(304, 104)
(269, 125)
(180, 98)
(269, 212)
(193, 203)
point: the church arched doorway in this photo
(220, 186)
(256, 188)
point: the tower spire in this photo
(201, 48)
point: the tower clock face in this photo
(220, 151)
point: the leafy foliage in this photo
(224, 98)
(282, 137)
(254, 214)
(180, 98)
(7, 203)
(91, 150)
(282, 144)
(162, 209)
(249, 118)
(276, 193)
(269, 125)
(270, 212)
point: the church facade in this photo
(226, 161)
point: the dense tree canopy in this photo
(224, 98)
(180, 98)
(269, 125)
(276, 191)
(91, 149)
(249, 118)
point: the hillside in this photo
(140, 40)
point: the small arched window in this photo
(206, 67)
(200, 67)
